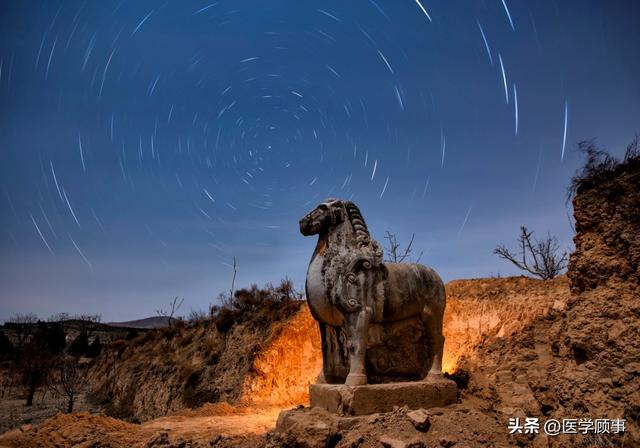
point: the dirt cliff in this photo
(175, 368)
(582, 361)
(607, 214)
(481, 309)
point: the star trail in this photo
(145, 144)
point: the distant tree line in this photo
(38, 354)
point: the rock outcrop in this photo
(607, 215)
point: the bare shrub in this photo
(169, 313)
(539, 258)
(68, 381)
(197, 316)
(600, 165)
(23, 326)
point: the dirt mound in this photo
(458, 425)
(167, 370)
(79, 429)
(83, 430)
(480, 309)
(578, 363)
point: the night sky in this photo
(144, 144)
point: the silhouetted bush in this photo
(600, 165)
(6, 347)
(132, 334)
(37, 356)
(95, 348)
(258, 306)
(51, 337)
(80, 345)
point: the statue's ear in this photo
(337, 213)
(378, 255)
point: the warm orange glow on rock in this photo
(480, 309)
(477, 310)
(286, 367)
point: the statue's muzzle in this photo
(305, 225)
(311, 223)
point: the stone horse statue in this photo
(349, 289)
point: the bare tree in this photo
(224, 298)
(539, 258)
(34, 367)
(174, 305)
(68, 381)
(23, 325)
(233, 279)
(88, 323)
(395, 254)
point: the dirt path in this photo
(203, 427)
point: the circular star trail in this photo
(145, 144)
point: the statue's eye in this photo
(351, 278)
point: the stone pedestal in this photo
(374, 398)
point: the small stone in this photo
(559, 305)
(606, 382)
(419, 419)
(157, 440)
(389, 442)
(447, 441)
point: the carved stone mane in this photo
(359, 226)
(353, 241)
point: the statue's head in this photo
(330, 212)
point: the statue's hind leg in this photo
(435, 340)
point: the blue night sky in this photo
(144, 144)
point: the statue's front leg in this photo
(326, 370)
(357, 326)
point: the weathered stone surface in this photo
(374, 398)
